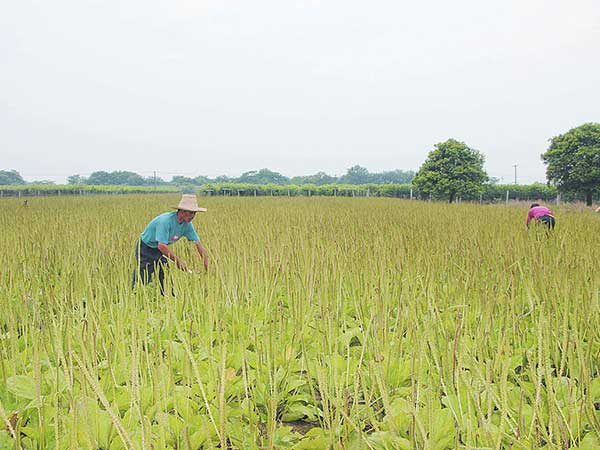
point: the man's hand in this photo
(203, 253)
(181, 265)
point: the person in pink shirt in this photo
(541, 215)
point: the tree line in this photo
(354, 175)
(451, 170)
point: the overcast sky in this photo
(211, 87)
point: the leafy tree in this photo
(99, 177)
(75, 179)
(319, 179)
(263, 176)
(43, 182)
(356, 175)
(123, 177)
(392, 177)
(118, 177)
(573, 161)
(11, 177)
(201, 179)
(452, 169)
(151, 181)
(181, 181)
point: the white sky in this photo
(225, 86)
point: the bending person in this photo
(541, 215)
(152, 250)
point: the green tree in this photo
(75, 179)
(451, 170)
(356, 175)
(181, 180)
(263, 176)
(201, 179)
(99, 177)
(118, 177)
(395, 176)
(43, 182)
(319, 179)
(124, 177)
(573, 161)
(10, 177)
(152, 181)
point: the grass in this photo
(322, 323)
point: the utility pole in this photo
(515, 166)
(155, 180)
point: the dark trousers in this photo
(149, 260)
(547, 221)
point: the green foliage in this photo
(491, 192)
(345, 323)
(451, 170)
(118, 177)
(75, 179)
(573, 160)
(263, 176)
(10, 177)
(319, 179)
(180, 180)
(360, 175)
(535, 191)
(355, 175)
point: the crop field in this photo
(322, 323)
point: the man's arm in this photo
(165, 250)
(202, 252)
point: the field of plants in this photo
(322, 323)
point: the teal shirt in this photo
(166, 229)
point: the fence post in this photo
(557, 199)
(480, 199)
(411, 197)
(507, 197)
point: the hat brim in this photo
(190, 209)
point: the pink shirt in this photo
(536, 212)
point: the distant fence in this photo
(493, 193)
(58, 190)
(490, 193)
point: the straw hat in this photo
(189, 203)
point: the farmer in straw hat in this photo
(152, 251)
